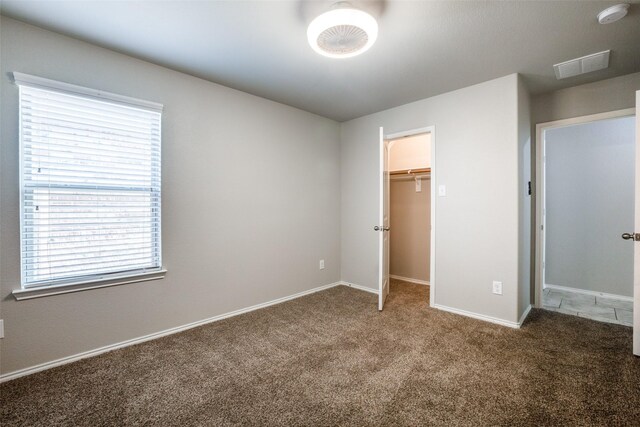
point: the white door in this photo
(383, 227)
(636, 235)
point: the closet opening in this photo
(410, 210)
(586, 203)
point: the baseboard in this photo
(587, 292)
(362, 288)
(410, 280)
(484, 317)
(525, 315)
(90, 353)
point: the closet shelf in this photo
(410, 171)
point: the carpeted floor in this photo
(332, 359)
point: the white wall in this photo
(590, 171)
(251, 202)
(412, 152)
(477, 158)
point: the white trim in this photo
(432, 261)
(525, 315)
(484, 317)
(432, 228)
(65, 288)
(90, 353)
(587, 292)
(410, 280)
(22, 79)
(359, 287)
(588, 118)
(384, 180)
(540, 186)
(412, 132)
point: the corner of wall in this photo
(523, 105)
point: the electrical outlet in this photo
(497, 287)
(1, 328)
(321, 264)
(442, 190)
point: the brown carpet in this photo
(332, 359)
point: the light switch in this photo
(418, 185)
(442, 190)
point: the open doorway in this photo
(586, 202)
(407, 213)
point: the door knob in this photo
(631, 236)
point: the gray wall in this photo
(410, 215)
(599, 97)
(476, 235)
(524, 199)
(590, 170)
(251, 202)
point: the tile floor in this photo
(593, 307)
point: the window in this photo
(90, 184)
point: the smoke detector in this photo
(342, 32)
(613, 13)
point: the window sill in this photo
(45, 291)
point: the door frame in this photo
(540, 197)
(384, 222)
(432, 261)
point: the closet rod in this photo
(410, 177)
(410, 171)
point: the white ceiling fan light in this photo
(342, 32)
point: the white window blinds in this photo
(90, 184)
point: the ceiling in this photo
(424, 48)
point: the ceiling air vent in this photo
(586, 64)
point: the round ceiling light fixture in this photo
(613, 13)
(342, 32)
